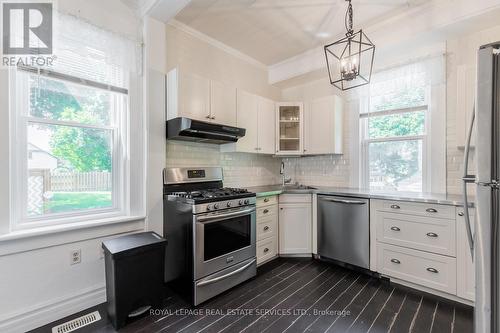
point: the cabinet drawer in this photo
(266, 201)
(295, 198)
(426, 269)
(266, 211)
(266, 249)
(417, 232)
(267, 227)
(430, 210)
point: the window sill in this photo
(30, 239)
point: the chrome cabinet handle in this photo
(266, 199)
(222, 216)
(266, 250)
(396, 261)
(265, 211)
(266, 228)
(225, 276)
(432, 270)
(461, 214)
(431, 210)
(432, 234)
(395, 207)
(348, 202)
(395, 229)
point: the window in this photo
(394, 131)
(70, 129)
(71, 146)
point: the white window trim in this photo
(363, 119)
(19, 168)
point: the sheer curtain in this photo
(92, 53)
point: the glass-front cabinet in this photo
(289, 128)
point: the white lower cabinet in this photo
(423, 245)
(426, 269)
(466, 282)
(295, 225)
(266, 226)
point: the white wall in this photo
(155, 70)
(38, 285)
(197, 55)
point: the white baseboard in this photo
(431, 291)
(44, 314)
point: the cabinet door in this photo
(223, 103)
(465, 266)
(289, 128)
(295, 225)
(323, 126)
(266, 126)
(246, 118)
(193, 97)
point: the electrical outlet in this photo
(76, 257)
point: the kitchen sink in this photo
(298, 187)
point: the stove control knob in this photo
(229, 203)
(247, 201)
(241, 202)
(216, 206)
(209, 207)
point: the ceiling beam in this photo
(411, 32)
(165, 10)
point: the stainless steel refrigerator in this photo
(485, 243)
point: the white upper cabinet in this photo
(247, 110)
(289, 128)
(223, 103)
(323, 126)
(256, 115)
(193, 96)
(266, 127)
(188, 95)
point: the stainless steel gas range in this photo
(210, 231)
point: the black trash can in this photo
(135, 267)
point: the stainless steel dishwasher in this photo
(344, 229)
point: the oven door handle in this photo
(225, 276)
(224, 216)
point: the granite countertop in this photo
(435, 198)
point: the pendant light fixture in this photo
(350, 59)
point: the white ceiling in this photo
(271, 31)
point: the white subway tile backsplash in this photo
(240, 169)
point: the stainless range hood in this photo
(186, 129)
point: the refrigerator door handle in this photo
(466, 180)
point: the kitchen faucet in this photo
(284, 180)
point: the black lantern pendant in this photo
(350, 60)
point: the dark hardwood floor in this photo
(298, 295)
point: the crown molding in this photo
(215, 43)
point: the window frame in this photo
(365, 141)
(20, 120)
